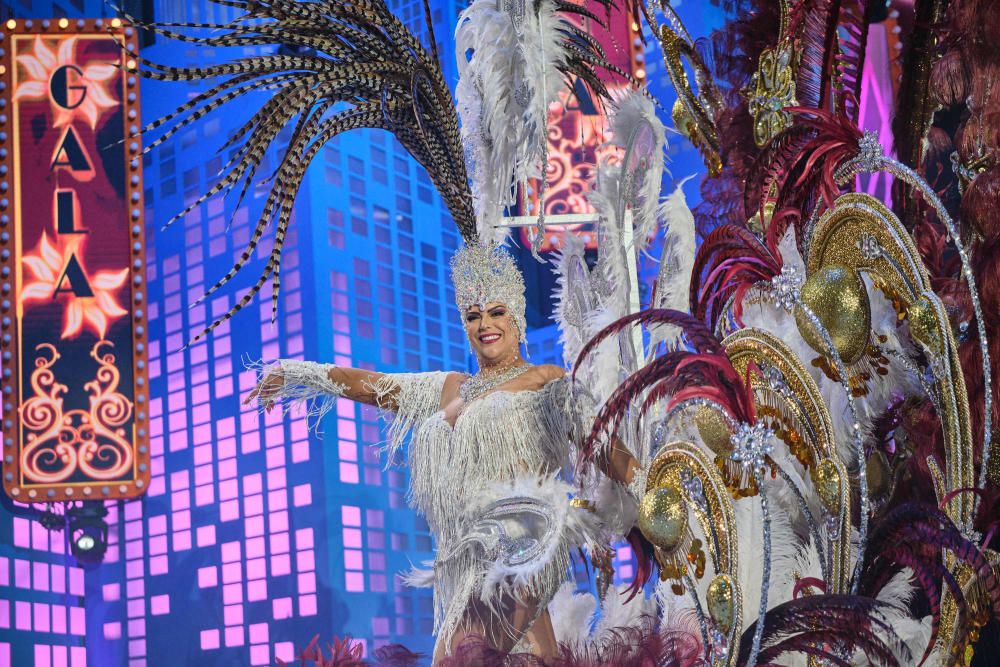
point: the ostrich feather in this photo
(572, 615)
(673, 284)
(571, 295)
(582, 308)
(914, 633)
(578, 625)
(631, 114)
(510, 71)
(362, 69)
(497, 102)
(787, 553)
(618, 611)
(605, 196)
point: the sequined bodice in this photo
(496, 438)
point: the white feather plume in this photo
(631, 113)
(572, 615)
(579, 319)
(912, 632)
(507, 79)
(576, 623)
(618, 611)
(567, 264)
(611, 262)
(674, 277)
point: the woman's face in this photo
(492, 333)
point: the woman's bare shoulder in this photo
(548, 372)
(452, 381)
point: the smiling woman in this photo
(485, 457)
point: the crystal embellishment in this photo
(485, 274)
(785, 287)
(869, 247)
(752, 445)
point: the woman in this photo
(485, 459)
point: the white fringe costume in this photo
(489, 487)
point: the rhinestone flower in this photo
(785, 287)
(870, 153)
(752, 445)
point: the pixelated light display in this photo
(72, 262)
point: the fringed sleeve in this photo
(406, 400)
(305, 384)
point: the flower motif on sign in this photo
(73, 89)
(58, 274)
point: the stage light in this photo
(88, 533)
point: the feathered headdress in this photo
(357, 66)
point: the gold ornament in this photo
(758, 226)
(924, 324)
(720, 603)
(771, 90)
(695, 110)
(663, 518)
(714, 430)
(829, 485)
(838, 297)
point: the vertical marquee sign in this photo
(72, 326)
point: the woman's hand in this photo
(266, 389)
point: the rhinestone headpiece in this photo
(485, 274)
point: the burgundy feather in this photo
(808, 624)
(913, 535)
(745, 260)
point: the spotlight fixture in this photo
(88, 533)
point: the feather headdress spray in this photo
(358, 66)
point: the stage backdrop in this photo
(72, 264)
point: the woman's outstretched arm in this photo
(356, 384)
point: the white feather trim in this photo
(572, 615)
(578, 625)
(419, 577)
(618, 611)
(573, 296)
(615, 507)
(306, 386)
(571, 527)
(913, 633)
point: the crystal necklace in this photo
(480, 383)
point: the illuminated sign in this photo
(72, 263)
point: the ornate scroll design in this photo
(61, 443)
(772, 86)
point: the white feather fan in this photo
(508, 76)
